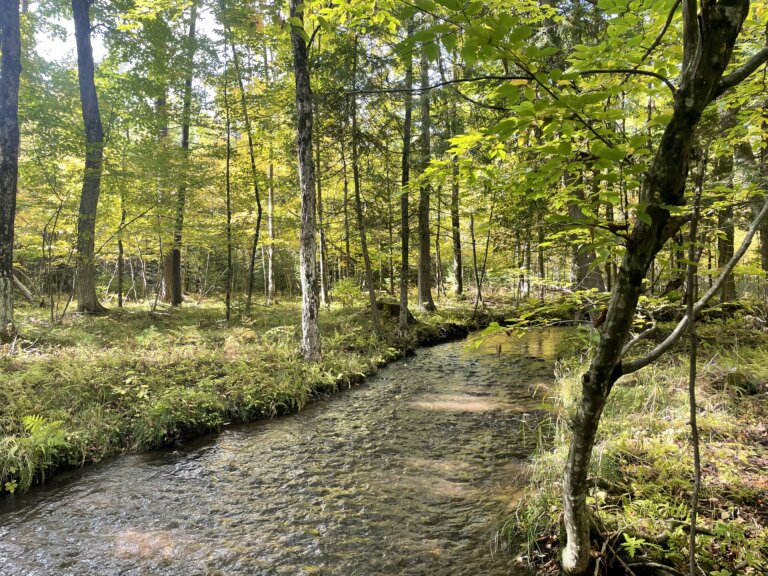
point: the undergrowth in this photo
(642, 467)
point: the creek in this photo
(410, 473)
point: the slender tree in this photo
(228, 188)
(308, 247)
(173, 286)
(87, 300)
(425, 261)
(405, 231)
(10, 71)
(458, 266)
(708, 42)
(358, 201)
(254, 173)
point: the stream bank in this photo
(95, 387)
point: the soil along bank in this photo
(132, 382)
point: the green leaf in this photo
(432, 51)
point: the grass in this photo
(642, 463)
(96, 386)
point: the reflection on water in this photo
(408, 474)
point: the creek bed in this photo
(408, 474)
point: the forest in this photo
(218, 212)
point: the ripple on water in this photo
(408, 475)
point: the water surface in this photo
(409, 474)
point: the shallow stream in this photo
(408, 474)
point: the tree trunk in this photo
(270, 231)
(458, 276)
(711, 38)
(349, 268)
(405, 231)
(324, 299)
(359, 204)
(542, 267)
(307, 253)
(10, 71)
(425, 262)
(254, 174)
(172, 270)
(120, 254)
(87, 301)
(478, 282)
(586, 275)
(228, 187)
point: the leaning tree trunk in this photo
(254, 174)
(425, 261)
(10, 71)
(172, 276)
(310, 301)
(405, 231)
(87, 300)
(708, 45)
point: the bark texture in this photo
(310, 300)
(425, 261)
(405, 231)
(87, 300)
(707, 51)
(172, 271)
(10, 71)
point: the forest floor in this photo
(95, 386)
(642, 469)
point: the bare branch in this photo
(653, 355)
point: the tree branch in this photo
(440, 84)
(630, 72)
(653, 355)
(663, 32)
(742, 72)
(642, 336)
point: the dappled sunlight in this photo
(460, 403)
(154, 544)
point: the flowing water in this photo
(410, 473)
